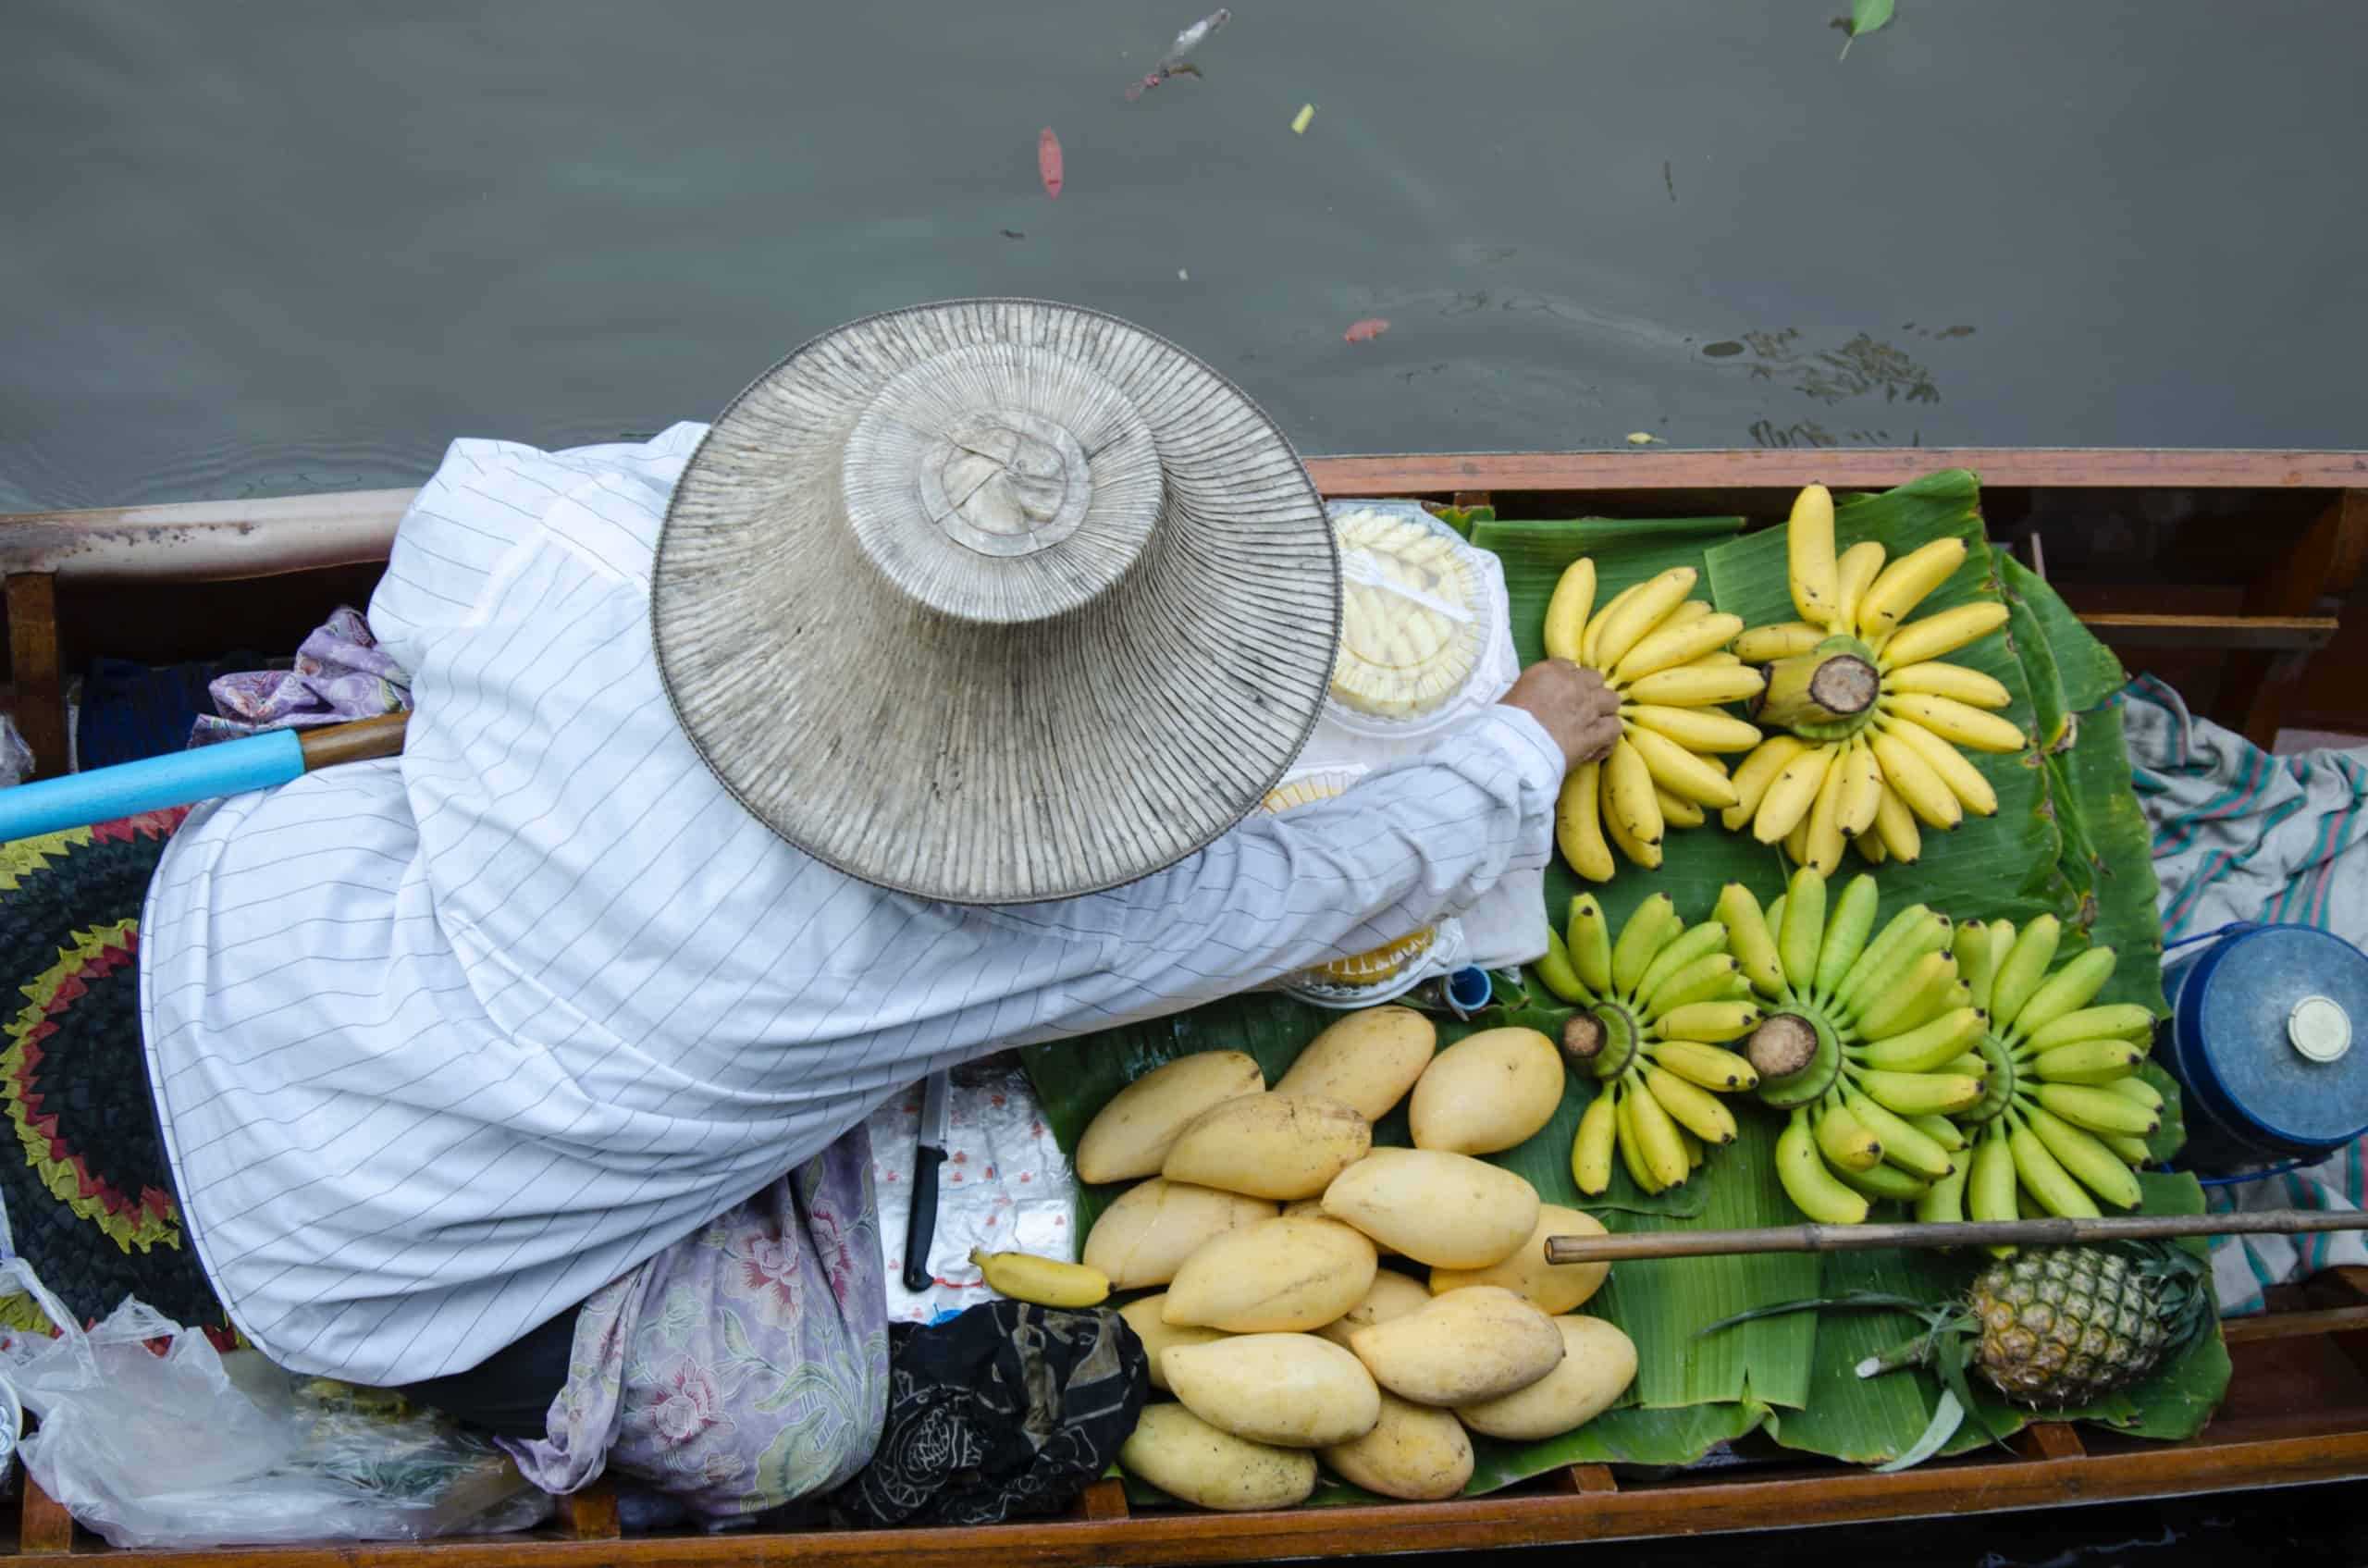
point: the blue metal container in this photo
(2261, 1039)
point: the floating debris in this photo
(1182, 276)
(1302, 120)
(1048, 160)
(1866, 16)
(1364, 331)
(1644, 439)
(1173, 63)
(1014, 234)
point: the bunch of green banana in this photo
(1665, 654)
(1871, 716)
(1870, 1044)
(2064, 1115)
(1657, 1006)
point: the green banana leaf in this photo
(2068, 839)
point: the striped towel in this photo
(2241, 834)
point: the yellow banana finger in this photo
(1567, 612)
(1934, 678)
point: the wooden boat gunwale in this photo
(2298, 1408)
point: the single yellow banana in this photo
(1926, 1047)
(1941, 634)
(1757, 771)
(1594, 633)
(2139, 1090)
(1656, 1140)
(1786, 804)
(1696, 729)
(1639, 851)
(1624, 627)
(1825, 841)
(1814, 1190)
(1578, 823)
(1905, 585)
(1710, 1023)
(1632, 1149)
(1943, 1201)
(1694, 1109)
(1956, 721)
(1765, 644)
(1905, 1144)
(1935, 678)
(1964, 780)
(1567, 612)
(2067, 991)
(1587, 935)
(1591, 1150)
(1853, 572)
(2115, 1020)
(1919, 788)
(1628, 792)
(1990, 1185)
(1808, 550)
(1670, 646)
(1895, 827)
(1696, 686)
(1920, 1093)
(1045, 1281)
(1677, 770)
(2098, 1110)
(2023, 959)
(1676, 813)
(1750, 938)
(1846, 1142)
(1725, 1071)
(1862, 788)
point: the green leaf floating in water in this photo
(1866, 16)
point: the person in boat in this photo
(919, 709)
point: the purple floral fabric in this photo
(744, 1368)
(341, 675)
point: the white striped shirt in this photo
(444, 1044)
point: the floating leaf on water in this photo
(1643, 438)
(1361, 331)
(1300, 120)
(1048, 160)
(1866, 16)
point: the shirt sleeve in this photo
(1404, 847)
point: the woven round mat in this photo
(83, 1167)
(995, 602)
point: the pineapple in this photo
(2051, 1328)
(2065, 1325)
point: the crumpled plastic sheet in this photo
(1004, 1187)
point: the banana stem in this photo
(1815, 689)
(1783, 1044)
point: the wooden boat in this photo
(2223, 571)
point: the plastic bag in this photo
(1423, 629)
(188, 1449)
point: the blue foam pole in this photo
(153, 783)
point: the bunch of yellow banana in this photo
(2063, 1114)
(1665, 654)
(1872, 715)
(1869, 1043)
(1658, 1004)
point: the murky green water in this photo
(288, 246)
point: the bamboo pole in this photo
(363, 738)
(2005, 1232)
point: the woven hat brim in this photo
(977, 764)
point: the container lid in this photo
(2278, 1012)
(1420, 616)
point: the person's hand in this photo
(1575, 706)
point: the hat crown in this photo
(1002, 483)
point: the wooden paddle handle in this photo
(358, 741)
(2005, 1232)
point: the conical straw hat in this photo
(995, 602)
